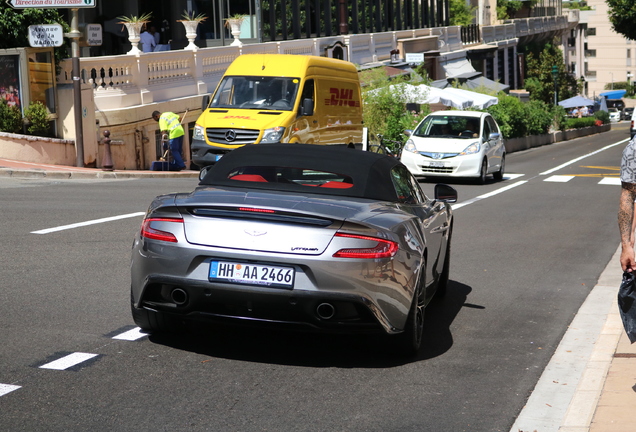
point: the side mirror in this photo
(408, 132)
(204, 172)
(307, 108)
(494, 136)
(205, 102)
(445, 193)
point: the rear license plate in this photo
(436, 164)
(252, 274)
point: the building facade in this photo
(597, 54)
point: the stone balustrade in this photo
(132, 80)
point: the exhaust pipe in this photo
(325, 311)
(179, 296)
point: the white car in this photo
(456, 144)
(615, 115)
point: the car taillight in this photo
(383, 249)
(152, 233)
(255, 210)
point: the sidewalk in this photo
(589, 384)
(17, 169)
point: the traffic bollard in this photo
(107, 163)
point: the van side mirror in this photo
(205, 102)
(307, 108)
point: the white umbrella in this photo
(424, 94)
(480, 100)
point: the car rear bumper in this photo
(292, 308)
(364, 294)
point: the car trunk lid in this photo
(262, 221)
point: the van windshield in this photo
(252, 92)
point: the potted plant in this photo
(191, 22)
(134, 25)
(234, 24)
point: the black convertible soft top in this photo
(365, 174)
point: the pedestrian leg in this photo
(176, 145)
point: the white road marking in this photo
(559, 178)
(68, 361)
(614, 181)
(7, 388)
(131, 335)
(512, 176)
(550, 171)
(488, 195)
(92, 222)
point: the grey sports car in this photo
(322, 237)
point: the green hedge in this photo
(576, 123)
(517, 119)
(10, 118)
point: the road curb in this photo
(92, 174)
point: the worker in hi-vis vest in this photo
(169, 124)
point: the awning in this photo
(614, 94)
(576, 101)
(481, 52)
(472, 81)
(457, 67)
(453, 97)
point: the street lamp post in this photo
(629, 78)
(555, 75)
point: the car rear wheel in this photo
(499, 174)
(442, 283)
(410, 340)
(150, 321)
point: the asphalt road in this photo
(524, 259)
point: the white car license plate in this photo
(436, 164)
(253, 274)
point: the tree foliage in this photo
(622, 15)
(461, 14)
(14, 25)
(539, 81)
(384, 109)
(508, 8)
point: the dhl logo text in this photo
(341, 97)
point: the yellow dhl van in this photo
(271, 98)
